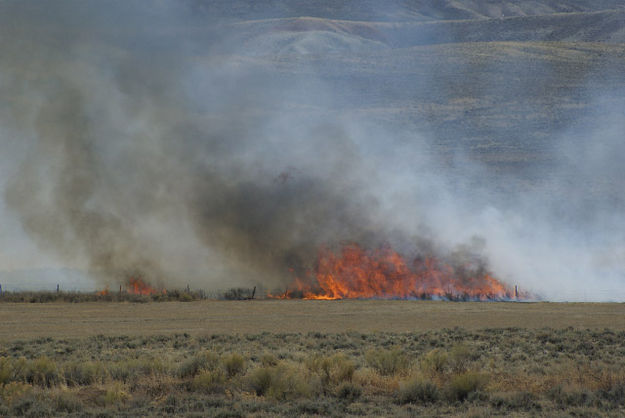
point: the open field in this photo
(320, 359)
(23, 320)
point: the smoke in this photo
(189, 150)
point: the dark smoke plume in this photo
(130, 172)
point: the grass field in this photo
(340, 358)
(71, 320)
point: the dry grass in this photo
(21, 321)
(441, 372)
(286, 358)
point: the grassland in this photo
(457, 372)
(79, 320)
(340, 358)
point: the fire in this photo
(385, 274)
(136, 286)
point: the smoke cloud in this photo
(189, 149)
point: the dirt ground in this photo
(64, 320)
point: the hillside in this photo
(498, 87)
(395, 10)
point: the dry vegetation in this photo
(271, 358)
(446, 372)
(76, 320)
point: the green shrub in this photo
(209, 381)
(388, 362)
(261, 379)
(268, 359)
(13, 391)
(119, 372)
(348, 391)
(417, 390)
(185, 297)
(332, 370)
(82, 374)
(434, 362)
(233, 364)
(459, 358)
(6, 370)
(614, 394)
(21, 369)
(31, 406)
(565, 397)
(281, 382)
(464, 384)
(67, 402)
(130, 369)
(43, 372)
(114, 395)
(204, 361)
(521, 400)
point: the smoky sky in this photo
(180, 146)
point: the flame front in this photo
(136, 286)
(385, 274)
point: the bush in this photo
(6, 370)
(459, 358)
(204, 361)
(13, 391)
(614, 394)
(349, 391)
(434, 362)
(238, 293)
(282, 382)
(67, 402)
(332, 370)
(114, 395)
(464, 384)
(417, 390)
(520, 400)
(31, 406)
(43, 372)
(82, 374)
(388, 362)
(209, 381)
(261, 380)
(185, 297)
(268, 359)
(233, 364)
(129, 369)
(564, 397)
(119, 372)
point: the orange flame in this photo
(383, 273)
(137, 286)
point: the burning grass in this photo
(444, 372)
(351, 273)
(382, 273)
